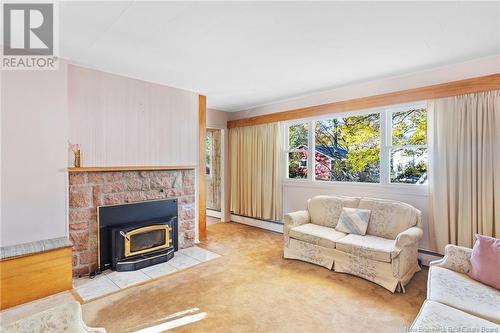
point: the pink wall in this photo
(34, 134)
(122, 121)
(216, 119)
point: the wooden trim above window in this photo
(468, 86)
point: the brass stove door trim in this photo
(127, 238)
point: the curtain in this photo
(256, 168)
(465, 175)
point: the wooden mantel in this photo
(131, 168)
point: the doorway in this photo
(213, 175)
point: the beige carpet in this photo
(251, 288)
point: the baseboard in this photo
(214, 213)
(34, 276)
(427, 256)
(272, 226)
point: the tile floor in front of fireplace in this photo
(110, 281)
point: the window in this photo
(408, 150)
(208, 153)
(298, 138)
(383, 146)
(348, 149)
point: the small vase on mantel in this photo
(77, 162)
(75, 148)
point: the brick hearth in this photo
(87, 190)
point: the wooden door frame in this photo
(202, 196)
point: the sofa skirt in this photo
(392, 276)
(315, 254)
(387, 275)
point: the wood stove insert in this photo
(137, 235)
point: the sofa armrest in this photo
(295, 219)
(456, 258)
(419, 219)
(408, 237)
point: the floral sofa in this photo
(455, 302)
(64, 318)
(386, 255)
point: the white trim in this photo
(214, 213)
(426, 258)
(414, 189)
(285, 129)
(272, 226)
(407, 189)
(385, 154)
(311, 152)
(224, 214)
(211, 163)
(408, 146)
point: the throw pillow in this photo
(485, 261)
(353, 220)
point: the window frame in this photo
(287, 149)
(385, 147)
(389, 145)
(210, 164)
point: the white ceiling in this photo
(243, 54)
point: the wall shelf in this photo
(131, 168)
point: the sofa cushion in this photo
(460, 291)
(371, 247)
(485, 261)
(353, 221)
(316, 234)
(325, 210)
(388, 218)
(437, 317)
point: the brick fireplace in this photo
(88, 190)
